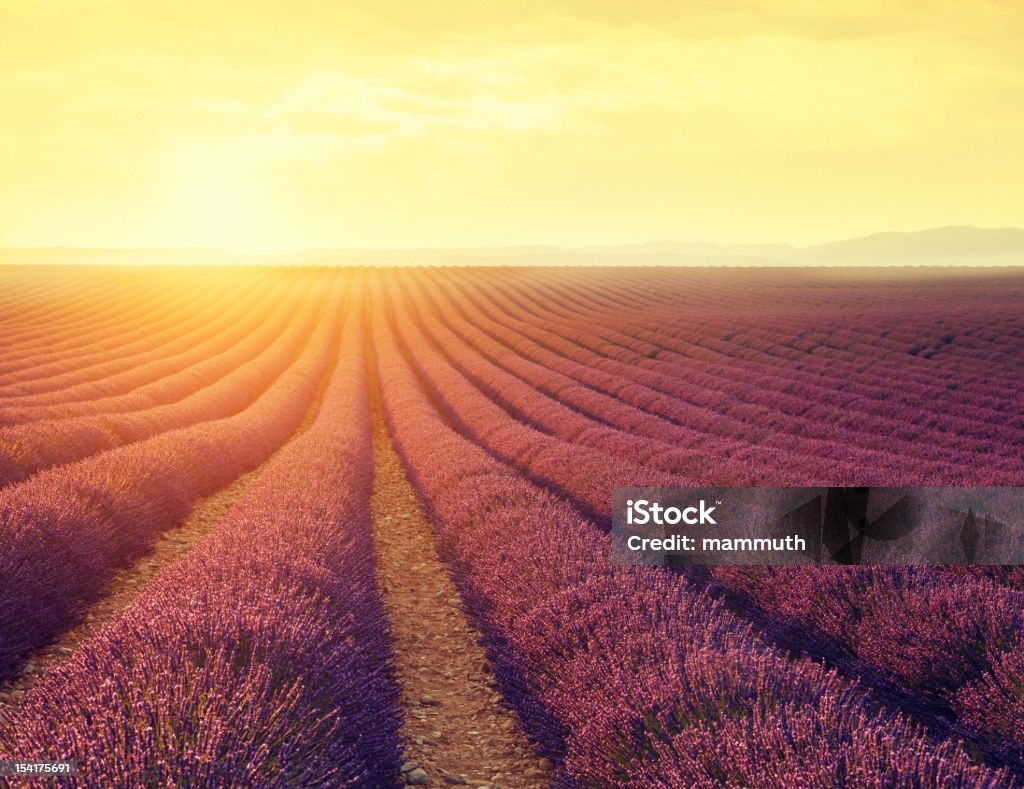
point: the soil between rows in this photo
(456, 727)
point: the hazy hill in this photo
(944, 246)
(939, 246)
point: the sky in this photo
(269, 126)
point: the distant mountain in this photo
(702, 248)
(944, 246)
(959, 245)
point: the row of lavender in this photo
(775, 405)
(839, 315)
(214, 386)
(610, 391)
(67, 529)
(629, 677)
(691, 440)
(152, 317)
(27, 350)
(952, 644)
(40, 305)
(965, 632)
(262, 657)
(95, 377)
(952, 448)
(844, 345)
(977, 330)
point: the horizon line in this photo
(522, 246)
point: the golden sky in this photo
(257, 125)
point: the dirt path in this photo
(456, 728)
(129, 582)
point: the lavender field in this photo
(191, 590)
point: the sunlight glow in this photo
(404, 123)
(216, 201)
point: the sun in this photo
(215, 200)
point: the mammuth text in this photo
(789, 543)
